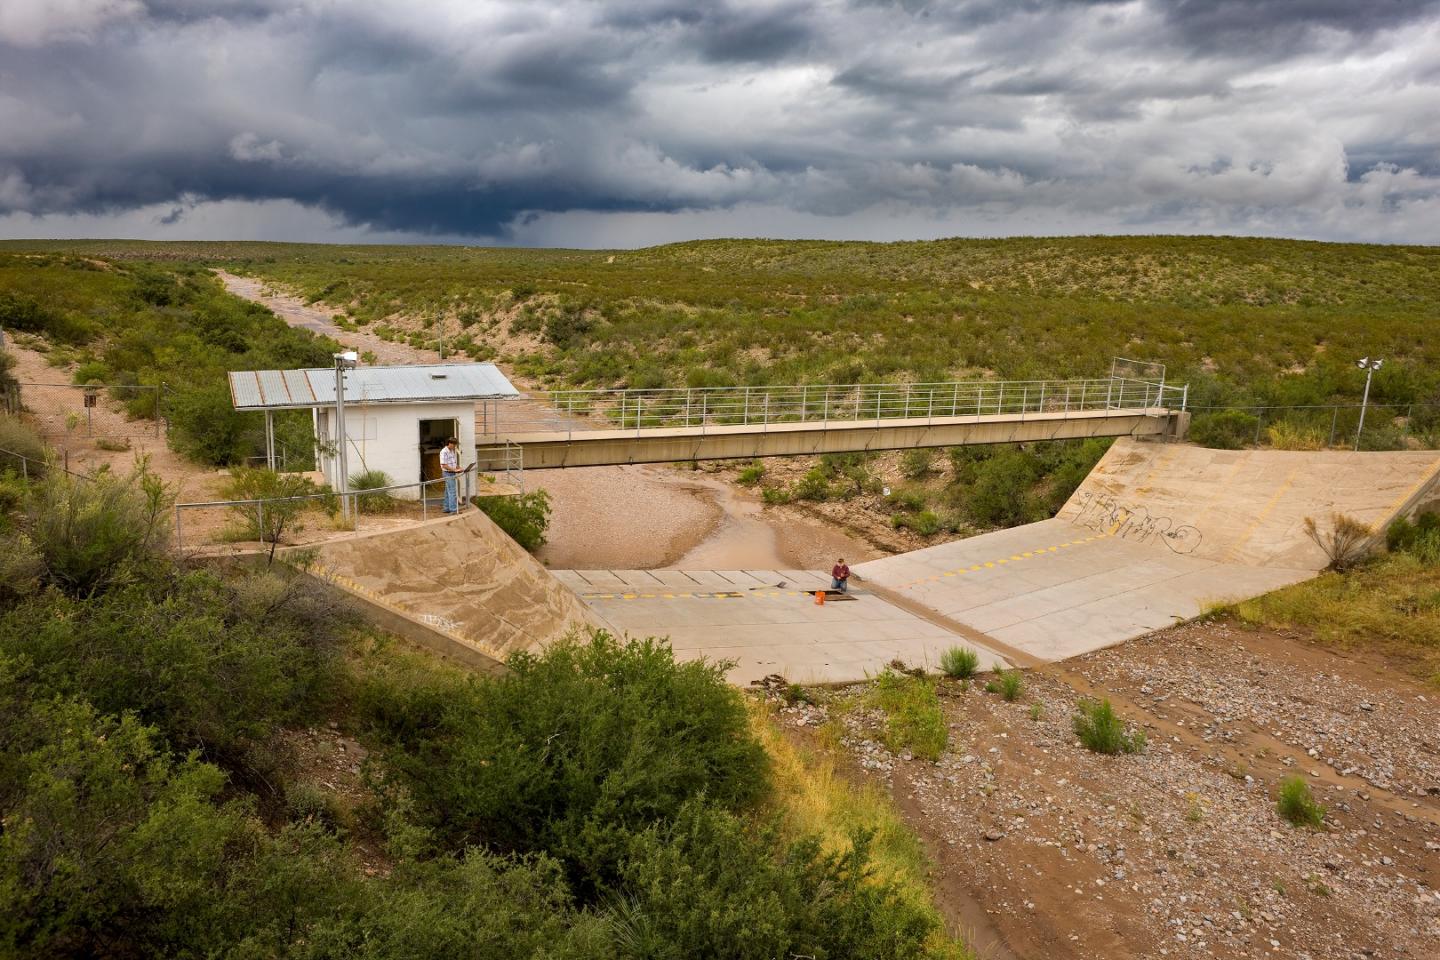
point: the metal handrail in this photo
(571, 411)
(260, 503)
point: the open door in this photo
(433, 434)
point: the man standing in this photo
(450, 467)
(840, 576)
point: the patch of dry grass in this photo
(1390, 606)
(812, 797)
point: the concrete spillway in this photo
(1156, 532)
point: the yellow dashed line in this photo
(1028, 554)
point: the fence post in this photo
(179, 539)
(1000, 399)
(1258, 422)
(1334, 419)
(825, 412)
(260, 508)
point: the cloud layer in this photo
(614, 123)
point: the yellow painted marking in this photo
(976, 567)
(667, 596)
(949, 573)
(626, 596)
(1027, 553)
(1263, 515)
(987, 564)
(1015, 557)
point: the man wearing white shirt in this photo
(450, 467)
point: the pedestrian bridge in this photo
(584, 428)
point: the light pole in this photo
(1369, 366)
(343, 361)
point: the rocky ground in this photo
(1043, 848)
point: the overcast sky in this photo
(629, 122)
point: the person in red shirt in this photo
(840, 576)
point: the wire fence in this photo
(274, 520)
(1384, 426)
(571, 411)
(94, 411)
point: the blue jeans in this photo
(452, 492)
(842, 585)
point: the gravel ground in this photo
(1046, 849)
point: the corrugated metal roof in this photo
(302, 389)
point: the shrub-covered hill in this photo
(1244, 319)
(141, 323)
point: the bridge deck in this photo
(589, 447)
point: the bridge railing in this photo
(566, 411)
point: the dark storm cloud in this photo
(1224, 26)
(478, 117)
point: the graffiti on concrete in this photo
(1105, 514)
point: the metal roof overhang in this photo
(307, 389)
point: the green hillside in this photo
(1243, 319)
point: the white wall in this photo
(386, 436)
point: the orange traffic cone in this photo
(819, 598)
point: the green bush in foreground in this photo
(960, 662)
(707, 885)
(1297, 805)
(914, 720)
(1101, 730)
(572, 751)
(91, 534)
(1419, 537)
(1226, 430)
(525, 517)
(19, 444)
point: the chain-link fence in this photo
(60, 411)
(1349, 426)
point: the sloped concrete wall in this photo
(1244, 506)
(464, 577)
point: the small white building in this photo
(396, 418)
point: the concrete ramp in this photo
(1153, 535)
(462, 576)
(767, 622)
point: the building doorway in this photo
(433, 434)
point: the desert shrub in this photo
(1346, 543)
(19, 443)
(1226, 430)
(1296, 804)
(775, 495)
(92, 534)
(926, 523)
(999, 494)
(914, 720)
(917, 463)
(213, 665)
(709, 884)
(525, 517)
(752, 474)
(373, 480)
(959, 662)
(1099, 728)
(110, 847)
(815, 485)
(1007, 683)
(1419, 538)
(288, 497)
(571, 752)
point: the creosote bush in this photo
(1099, 728)
(525, 517)
(92, 534)
(1346, 543)
(960, 662)
(1296, 804)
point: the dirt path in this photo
(1180, 852)
(625, 517)
(105, 439)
